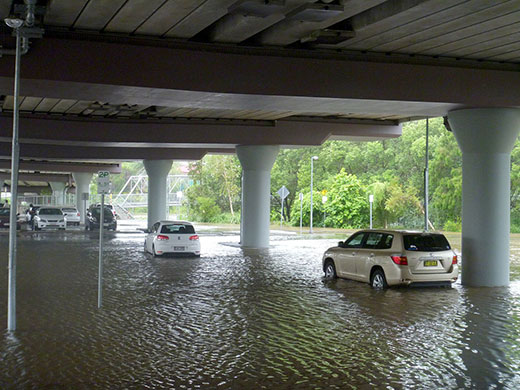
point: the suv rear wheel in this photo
(378, 280)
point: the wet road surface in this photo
(238, 319)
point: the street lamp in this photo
(312, 172)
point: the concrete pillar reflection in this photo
(256, 162)
(486, 137)
(157, 171)
(82, 180)
(58, 192)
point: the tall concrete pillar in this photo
(157, 171)
(82, 180)
(256, 162)
(486, 137)
(58, 192)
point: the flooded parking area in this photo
(243, 319)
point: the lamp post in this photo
(312, 172)
(371, 200)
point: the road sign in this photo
(283, 192)
(103, 182)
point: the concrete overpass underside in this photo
(125, 80)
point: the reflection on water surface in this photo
(244, 320)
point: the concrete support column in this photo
(256, 162)
(157, 171)
(58, 192)
(82, 180)
(486, 137)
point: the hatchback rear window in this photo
(425, 242)
(178, 229)
(69, 210)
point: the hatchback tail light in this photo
(194, 238)
(77, 214)
(454, 261)
(400, 260)
(161, 237)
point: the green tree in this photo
(347, 205)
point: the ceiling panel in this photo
(30, 103)
(63, 106)
(479, 38)
(167, 16)
(478, 31)
(425, 21)
(133, 14)
(416, 42)
(97, 14)
(63, 12)
(46, 105)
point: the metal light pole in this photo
(100, 262)
(301, 212)
(426, 173)
(15, 156)
(312, 172)
(371, 200)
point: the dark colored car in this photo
(93, 216)
(4, 218)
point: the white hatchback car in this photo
(72, 215)
(176, 237)
(49, 217)
(392, 257)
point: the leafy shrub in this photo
(453, 226)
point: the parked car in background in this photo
(177, 237)
(72, 214)
(94, 215)
(110, 206)
(49, 218)
(5, 213)
(393, 257)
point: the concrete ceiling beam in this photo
(54, 166)
(86, 153)
(155, 134)
(56, 68)
(41, 177)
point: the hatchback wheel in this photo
(330, 270)
(154, 253)
(378, 280)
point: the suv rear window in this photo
(425, 242)
(178, 229)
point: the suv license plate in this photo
(430, 263)
(178, 248)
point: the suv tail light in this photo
(194, 238)
(399, 260)
(78, 214)
(161, 237)
(454, 261)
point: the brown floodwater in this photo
(238, 319)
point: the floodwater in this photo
(237, 319)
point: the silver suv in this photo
(393, 257)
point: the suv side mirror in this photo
(341, 244)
